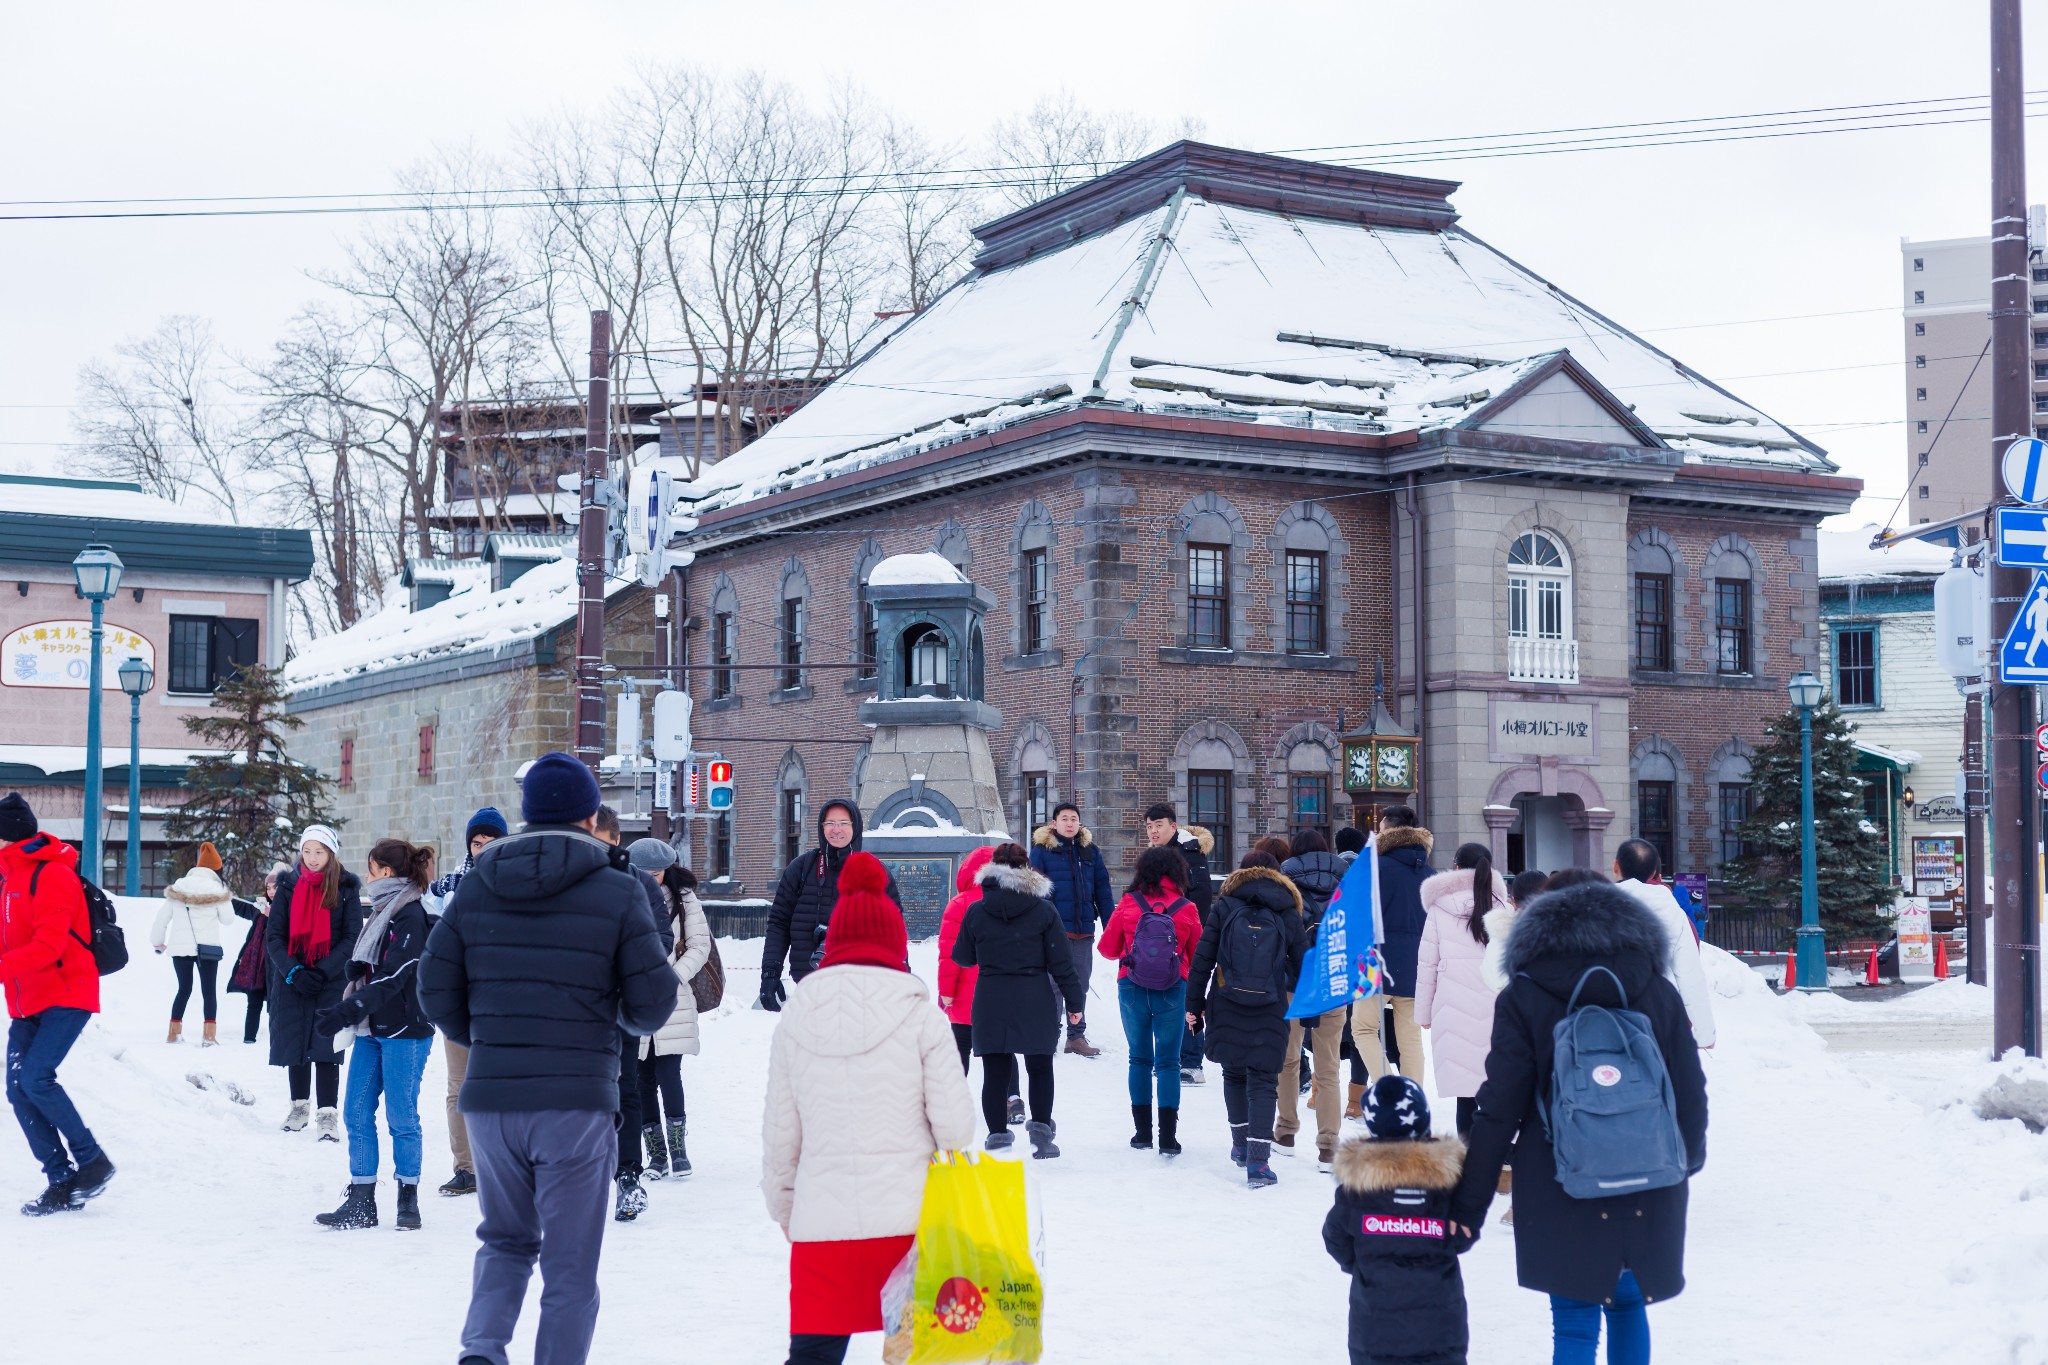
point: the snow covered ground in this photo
(1842, 1216)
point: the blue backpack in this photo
(1153, 960)
(1612, 1118)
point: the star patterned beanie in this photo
(1396, 1108)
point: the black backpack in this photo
(109, 946)
(1251, 950)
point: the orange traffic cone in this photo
(1941, 957)
(1870, 972)
(1791, 972)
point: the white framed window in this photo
(1541, 647)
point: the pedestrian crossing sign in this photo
(2023, 657)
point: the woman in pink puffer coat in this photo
(1453, 999)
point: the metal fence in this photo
(1749, 932)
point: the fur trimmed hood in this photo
(1406, 836)
(1202, 838)
(1450, 893)
(1591, 920)
(1369, 1166)
(1245, 876)
(1499, 921)
(1045, 837)
(201, 886)
(1025, 881)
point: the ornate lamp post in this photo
(98, 571)
(1805, 691)
(136, 676)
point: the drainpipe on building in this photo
(1421, 721)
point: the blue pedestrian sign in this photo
(2023, 657)
(2025, 468)
(2022, 537)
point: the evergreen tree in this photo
(251, 800)
(1854, 873)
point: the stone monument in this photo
(928, 792)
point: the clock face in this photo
(1358, 767)
(1393, 767)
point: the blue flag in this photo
(1344, 964)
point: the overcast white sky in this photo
(133, 99)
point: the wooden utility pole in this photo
(592, 519)
(2015, 802)
(657, 824)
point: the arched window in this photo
(1540, 643)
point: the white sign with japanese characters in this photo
(59, 654)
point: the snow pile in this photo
(927, 566)
(471, 618)
(1846, 557)
(2018, 1091)
(102, 500)
(1901, 1232)
(1250, 316)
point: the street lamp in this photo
(136, 676)
(98, 571)
(1805, 691)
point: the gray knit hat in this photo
(652, 856)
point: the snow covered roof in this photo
(1255, 315)
(923, 567)
(1902, 759)
(101, 500)
(53, 760)
(1846, 557)
(473, 617)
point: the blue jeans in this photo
(36, 1047)
(1575, 1327)
(390, 1067)
(1153, 1022)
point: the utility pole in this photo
(2015, 804)
(657, 824)
(592, 518)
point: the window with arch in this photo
(1540, 643)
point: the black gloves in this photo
(347, 1014)
(306, 981)
(772, 994)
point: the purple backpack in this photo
(1154, 957)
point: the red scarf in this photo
(312, 928)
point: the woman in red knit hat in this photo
(864, 1085)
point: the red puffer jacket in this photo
(45, 937)
(956, 983)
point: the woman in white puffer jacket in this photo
(196, 907)
(1453, 998)
(660, 1071)
(864, 1085)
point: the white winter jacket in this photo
(195, 908)
(678, 1037)
(864, 1084)
(1683, 965)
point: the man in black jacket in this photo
(547, 951)
(1162, 827)
(804, 897)
(632, 1196)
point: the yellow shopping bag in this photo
(968, 1292)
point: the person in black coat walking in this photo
(1016, 938)
(1403, 847)
(1064, 852)
(547, 951)
(804, 897)
(1587, 1254)
(314, 919)
(380, 1009)
(1390, 1228)
(1248, 1038)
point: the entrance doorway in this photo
(1539, 837)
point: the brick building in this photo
(1224, 434)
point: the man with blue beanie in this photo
(486, 825)
(547, 952)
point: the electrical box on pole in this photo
(671, 726)
(629, 729)
(718, 790)
(1962, 620)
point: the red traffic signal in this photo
(721, 771)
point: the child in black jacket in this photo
(1391, 1229)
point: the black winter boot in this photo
(408, 1207)
(92, 1177)
(1141, 1121)
(462, 1182)
(632, 1200)
(678, 1159)
(657, 1151)
(1240, 1136)
(58, 1198)
(1169, 1132)
(358, 1210)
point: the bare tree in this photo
(163, 415)
(922, 218)
(1060, 142)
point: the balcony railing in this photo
(1548, 661)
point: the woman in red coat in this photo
(956, 983)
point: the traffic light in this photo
(718, 791)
